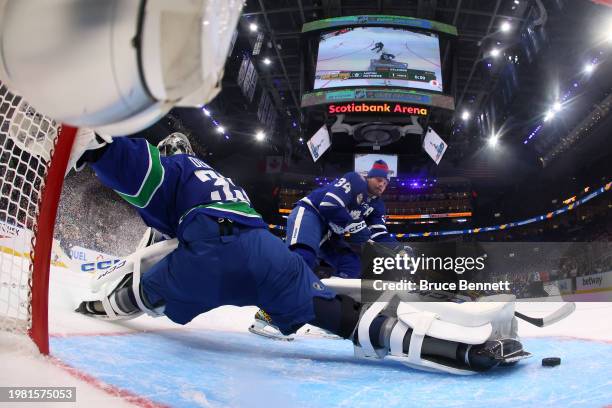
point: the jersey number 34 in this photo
(343, 183)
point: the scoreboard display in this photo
(379, 56)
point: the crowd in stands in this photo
(403, 198)
(93, 216)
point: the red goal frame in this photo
(43, 237)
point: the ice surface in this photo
(214, 361)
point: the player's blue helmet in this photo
(175, 143)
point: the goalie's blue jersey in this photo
(346, 207)
(165, 190)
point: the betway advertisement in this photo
(594, 283)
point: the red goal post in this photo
(34, 152)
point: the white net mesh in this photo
(27, 139)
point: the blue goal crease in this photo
(214, 368)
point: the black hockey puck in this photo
(551, 361)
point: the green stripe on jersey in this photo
(151, 182)
(238, 208)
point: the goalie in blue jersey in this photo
(219, 252)
(225, 253)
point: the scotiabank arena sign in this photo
(377, 108)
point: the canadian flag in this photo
(274, 164)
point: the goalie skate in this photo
(505, 351)
(118, 306)
(91, 308)
(262, 326)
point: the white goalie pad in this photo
(468, 322)
(104, 282)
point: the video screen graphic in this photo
(379, 56)
(364, 162)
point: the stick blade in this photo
(559, 314)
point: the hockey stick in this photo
(554, 317)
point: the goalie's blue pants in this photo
(245, 266)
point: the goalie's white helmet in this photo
(175, 143)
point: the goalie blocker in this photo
(458, 338)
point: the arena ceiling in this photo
(473, 81)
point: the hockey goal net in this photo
(34, 151)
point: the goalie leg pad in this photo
(121, 302)
(122, 296)
(439, 336)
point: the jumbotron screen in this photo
(379, 56)
(364, 162)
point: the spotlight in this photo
(608, 30)
(588, 68)
(220, 129)
(493, 140)
(260, 136)
(505, 27)
(465, 115)
(206, 111)
(494, 52)
(253, 27)
(267, 61)
(549, 115)
(557, 107)
(301, 140)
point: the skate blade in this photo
(105, 317)
(269, 335)
(321, 334)
(94, 316)
(519, 357)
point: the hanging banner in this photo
(319, 143)
(434, 145)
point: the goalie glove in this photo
(86, 140)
